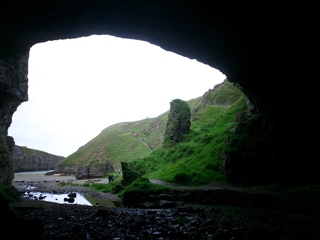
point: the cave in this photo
(256, 47)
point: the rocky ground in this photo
(209, 212)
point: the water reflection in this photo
(23, 179)
(77, 198)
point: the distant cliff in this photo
(26, 159)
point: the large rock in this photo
(178, 123)
(93, 171)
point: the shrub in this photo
(117, 188)
(181, 178)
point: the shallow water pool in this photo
(57, 198)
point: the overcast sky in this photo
(79, 87)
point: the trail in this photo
(142, 140)
(214, 185)
(210, 186)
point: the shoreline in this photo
(51, 184)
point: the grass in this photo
(115, 144)
(197, 160)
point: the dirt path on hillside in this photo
(212, 185)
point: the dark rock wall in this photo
(26, 159)
(13, 91)
(263, 49)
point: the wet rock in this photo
(41, 197)
(70, 200)
(72, 195)
(167, 204)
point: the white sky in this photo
(79, 87)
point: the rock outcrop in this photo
(26, 159)
(212, 96)
(13, 91)
(85, 172)
(178, 123)
(93, 171)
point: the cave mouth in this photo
(72, 83)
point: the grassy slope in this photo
(28, 152)
(195, 161)
(118, 143)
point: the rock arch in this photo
(249, 44)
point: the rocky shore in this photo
(198, 214)
(50, 184)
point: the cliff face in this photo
(25, 159)
(13, 91)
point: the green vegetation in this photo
(142, 187)
(119, 143)
(178, 124)
(193, 160)
(112, 187)
(196, 160)
(28, 152)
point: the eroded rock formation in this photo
(262, 49)
(94, 170)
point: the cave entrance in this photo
(78, 87)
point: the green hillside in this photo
(118, 143)
(197, 160)
(194, 161)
